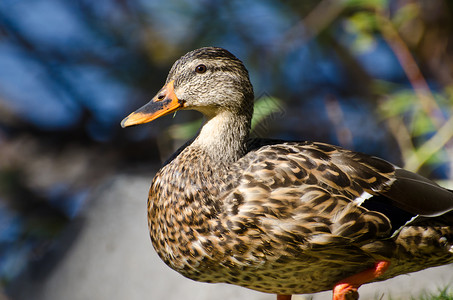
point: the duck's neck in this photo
(224, 136)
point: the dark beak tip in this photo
(123, 122)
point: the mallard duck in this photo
(281, 217)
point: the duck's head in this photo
(210, 80)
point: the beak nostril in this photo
(161, 97)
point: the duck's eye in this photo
(200, 69)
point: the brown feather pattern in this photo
(281, 218)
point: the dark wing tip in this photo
(419, 195)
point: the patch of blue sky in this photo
(380, 62)
(309, 66)
(377, 59)
(104, 96)
(45, 104)
(53, 24)
(265, 22)
(25, 84)
(48, 22)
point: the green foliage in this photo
(362, 26)
(397, 104)
(403, 103)
(367, 4)
(419, 126)
(265, 107)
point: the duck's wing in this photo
(326, 189)
(403, 190)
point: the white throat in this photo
(224, 136)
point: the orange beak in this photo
(163, 103)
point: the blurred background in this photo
(374, 76)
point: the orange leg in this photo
(346, 289)
(283, 297)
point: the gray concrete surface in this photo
(112, 258)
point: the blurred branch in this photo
(403, 137)
(336, 116)
(320, 17)
(316, 21)
(410, 68)
(431, 146)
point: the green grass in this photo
(442, 294)
(445, 293)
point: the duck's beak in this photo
(163, 103)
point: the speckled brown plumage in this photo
(280, 217)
